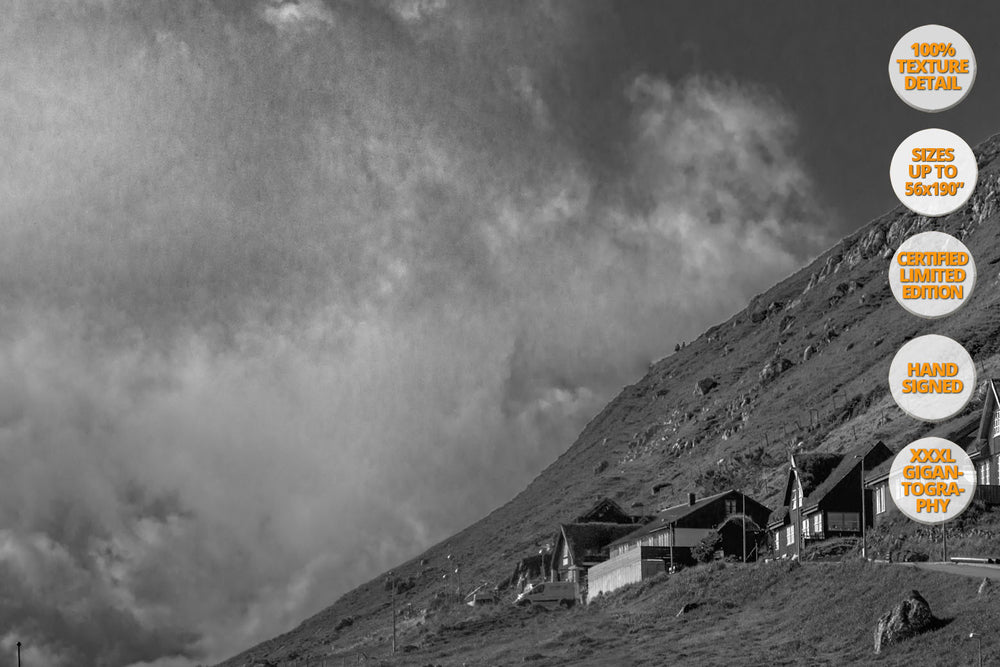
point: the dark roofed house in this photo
(962, 431)
(877, 480)
(985, 453)
(581, 545)
(669, 538)
(607, 511)
(823, 498)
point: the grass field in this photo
(758, 614)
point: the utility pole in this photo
(392, 587)
(19, 654)
(864, 518)
(672, 537)
(744, 526)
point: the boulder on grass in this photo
(704, 386)
(909, 618)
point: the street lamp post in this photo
(979, 641)
(19, 654)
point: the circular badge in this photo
(933, 172)
(932, 378)
(932, 68)
(932, 480)
(932, 274)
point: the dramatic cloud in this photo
(291, 292)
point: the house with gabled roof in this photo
(670, 536)
(579, 546)
(824, 497)
(985, 452)
(607, 511)
(963, 431)
(584, 541)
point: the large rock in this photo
(705, 385)
(909, 618)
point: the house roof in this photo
(959, 430)
(878, 473)
(813, 469)
(821, 475)
(602, 511)
(585, 539)
(870, 455)
(671, 515)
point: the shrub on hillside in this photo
(704, 551)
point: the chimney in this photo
(691, 499)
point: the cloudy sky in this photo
(273, 274)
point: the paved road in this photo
(961, 569)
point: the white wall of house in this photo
(624, 569)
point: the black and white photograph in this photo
(460, 333)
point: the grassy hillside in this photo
(768, 614)
(803, 366)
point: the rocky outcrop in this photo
(705, 385)
(774, 368)
(909, 618)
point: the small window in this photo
(996, 422)
(818, 522)
(805, 528)
(730, 507)
(880, 498)
(795, 497)
(790, 535)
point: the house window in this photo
(996, 422)
(805, 529)
(880, 498)
(984, 472)
(818, 522)
(790, 534)
(845, 521)
(730, 506)
(795, 497)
